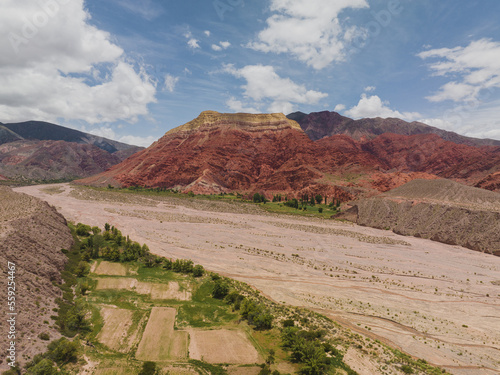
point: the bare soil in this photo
(155, 290)
(222, 346)
(111, 269)
(160, 342)
(431, 300)
(115, 332)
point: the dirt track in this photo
(431, 300)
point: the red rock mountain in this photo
(318, 125)
(50, 160)
(44, 151)
(270, 153)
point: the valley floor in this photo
(430, 300)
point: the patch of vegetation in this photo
(208, 368)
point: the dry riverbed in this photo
(431, 300)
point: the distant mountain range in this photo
(319, 125)
(36, 150)
(45, 131)
(271, 153)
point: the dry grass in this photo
(115, 333)
(222, 346)
(160, 342)
(111, 269)
(155, 290)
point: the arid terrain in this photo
(431, 300)
(32, 235)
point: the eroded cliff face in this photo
(269, 153)
(32, 235)
(439, 210)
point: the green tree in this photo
(43, 367)
(148, 368)
(220, 289)
(198, 271)
(62, 351)
(82, 269)
(319, 198)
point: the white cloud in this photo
(470, 119)
(339, 108)
(264, 86)
(193, 43)
(170, 82)
(137, 141)
(311, 31)
(473, 68)
(50, 59)
(370, 88)
(145, 8)
(373, 106)
(108, 132)
(207, 33)
(221, 46)
(237, 106)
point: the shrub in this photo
(220, 290)
(44, 336)
(42, 367)
(320, 210)
(148, 368)
(294, 203)
(198, 271)
(83, 230)
(407, 369)
(62, 351)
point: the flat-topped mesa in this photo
(209, 120)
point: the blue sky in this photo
(133, 69)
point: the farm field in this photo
(222, 346)
(433, 301)
(159, 341)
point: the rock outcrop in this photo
(318, 125)
(440, 210)
(32, 235)
(51, 160)
(270, 153)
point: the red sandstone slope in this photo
(270, 153)
(47, 160)
(216, 153)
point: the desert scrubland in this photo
(430, 300)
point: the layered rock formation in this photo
(32, 235)
(270, 153)
(44, 151)
(440, 210)
(50, 160)
(221, 153)
(318, 125)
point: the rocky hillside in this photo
(36, 150)
(440, 210)
(318, 125)
(220, 153)
(32, 235)
(51, 160)
(45, 131)
(269, 153)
